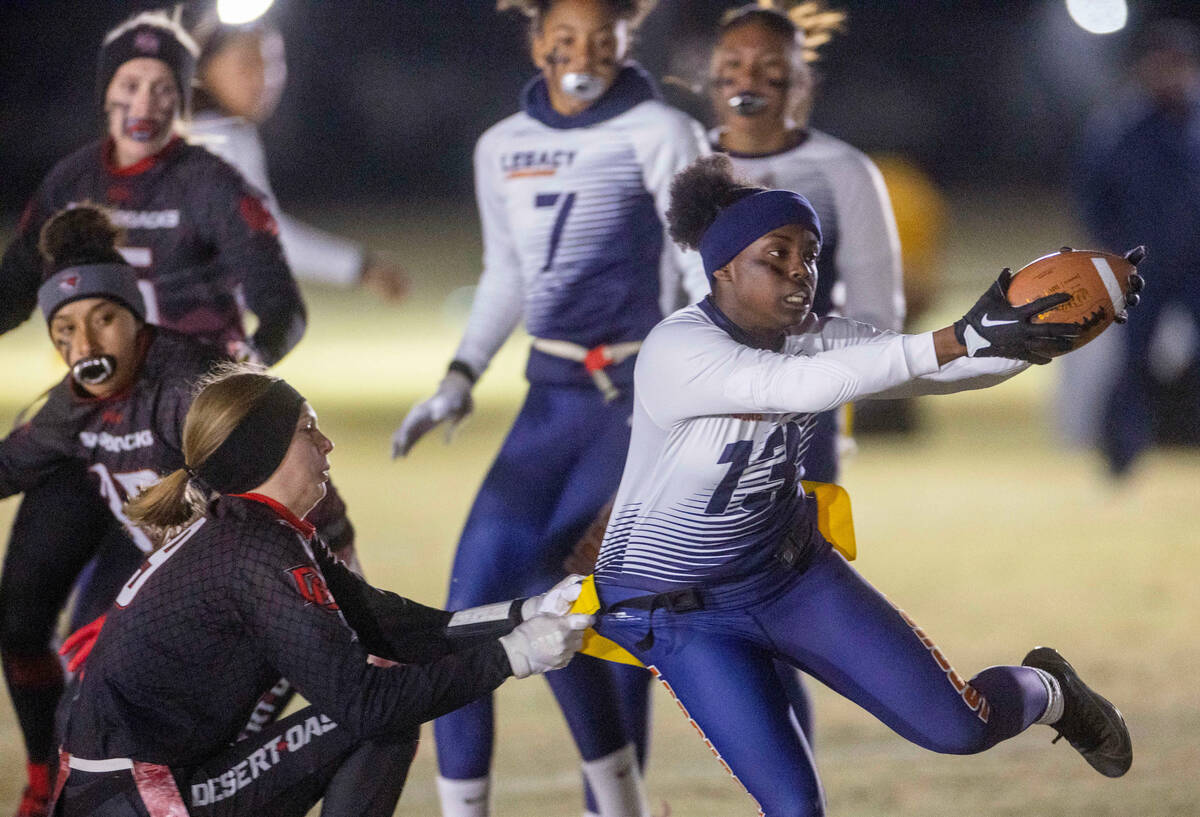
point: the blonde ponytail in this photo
(169, 503)
(223, 398)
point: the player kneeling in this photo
(243, 591)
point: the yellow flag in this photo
(833, 520)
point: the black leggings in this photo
(62, 525)
(281, 772)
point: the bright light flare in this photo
(1099, 16)
(240, 12)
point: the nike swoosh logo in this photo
(986, 321)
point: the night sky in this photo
(385, 99)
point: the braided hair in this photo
(632, 11)
(809, 23)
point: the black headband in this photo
(257, 446)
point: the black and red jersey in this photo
(128, 440)
(238, 599)
(199, 236)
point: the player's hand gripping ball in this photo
(1101, 285)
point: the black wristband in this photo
(463, 369)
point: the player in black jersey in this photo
(202, 243)
(200, 237)
(243, 591)
(108, 429)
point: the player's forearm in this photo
(18, 288)
(315, 255)
(387, 625)
(831, 378)
(281, 328)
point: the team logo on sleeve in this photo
(256, 216)
(312, 588)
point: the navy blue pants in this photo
(719, 663)
(559, 465)
(1127, 427)
(821, 465)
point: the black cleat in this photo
(1089, 723)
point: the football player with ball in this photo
(713, 566)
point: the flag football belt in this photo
(595, 360)
(834, 521)
(114, 764)
(153, 781)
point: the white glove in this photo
(556, 601)
(544, 643)
(452, 402)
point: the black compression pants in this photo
(281, 772)
(61, 525)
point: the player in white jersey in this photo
(241, 70)
(572, 194)
(761, 85)
(712, 567)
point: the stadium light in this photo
(240, 12)
(1099, 16)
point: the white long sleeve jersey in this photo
(860, 268)
(574, 232)
(720, 428)
(312, 253)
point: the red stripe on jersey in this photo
(305, 529)
(141, 166)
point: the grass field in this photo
(986, 531)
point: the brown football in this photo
(1096, 281)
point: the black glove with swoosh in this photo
(996, 328)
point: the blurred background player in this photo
(572, 194)
(762, 85)
(1139, 174)
(244, 590)
(199, 236)
(203, 245)
(241, 72)
(919, 206)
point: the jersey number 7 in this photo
(560, 220)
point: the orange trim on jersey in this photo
(520, 174)
(971, 697)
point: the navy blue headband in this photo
(745, 221)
